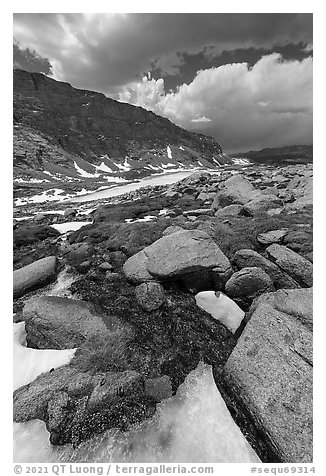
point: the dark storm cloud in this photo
(30, 61)
(245, 79)
(107, 51)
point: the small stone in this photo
(273, 236)
(105, 266)
(150, 295)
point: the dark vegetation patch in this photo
(168, 341)
(28, 234)
(27, 254)
(128, 238)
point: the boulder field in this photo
(215, 268)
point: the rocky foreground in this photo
(216, 268)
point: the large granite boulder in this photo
(61, 323)
(250, 258)
(34, 275)
(236, 189)
(261, 203)
(135, 268)
(270, 372)
(190, 255)
(295, 265)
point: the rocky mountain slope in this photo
(81, 138)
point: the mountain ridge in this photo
(280, 155)
(56, 125)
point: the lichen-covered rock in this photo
(295, 265)
(273, 236)
(261, 203)
(189, 255)
(135, 268)
(270, 372)
(150, 295)
(184, 252)
(236, 189)
(61, 323)
(77, 405)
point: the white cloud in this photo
(269, 104)
(148, 93)
(201, 119)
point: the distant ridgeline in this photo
(297, 154)
(63, 131)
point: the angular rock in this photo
(198, 212)
(273, 236)
(270, 372)
(184, 252)
(34, 275)
(150, 295)
(221, 308)
(250, 258)
(302, 188)
(61, 323)
(187, 254)
(261, 204)
(229, 210)
(294, 302)
(292, 263)
(236, 189)
(299, 240)
(249, 282)
(105, 266)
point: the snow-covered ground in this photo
(194, 426)
(29, 363)
(69, 226)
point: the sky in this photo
(244, 78)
